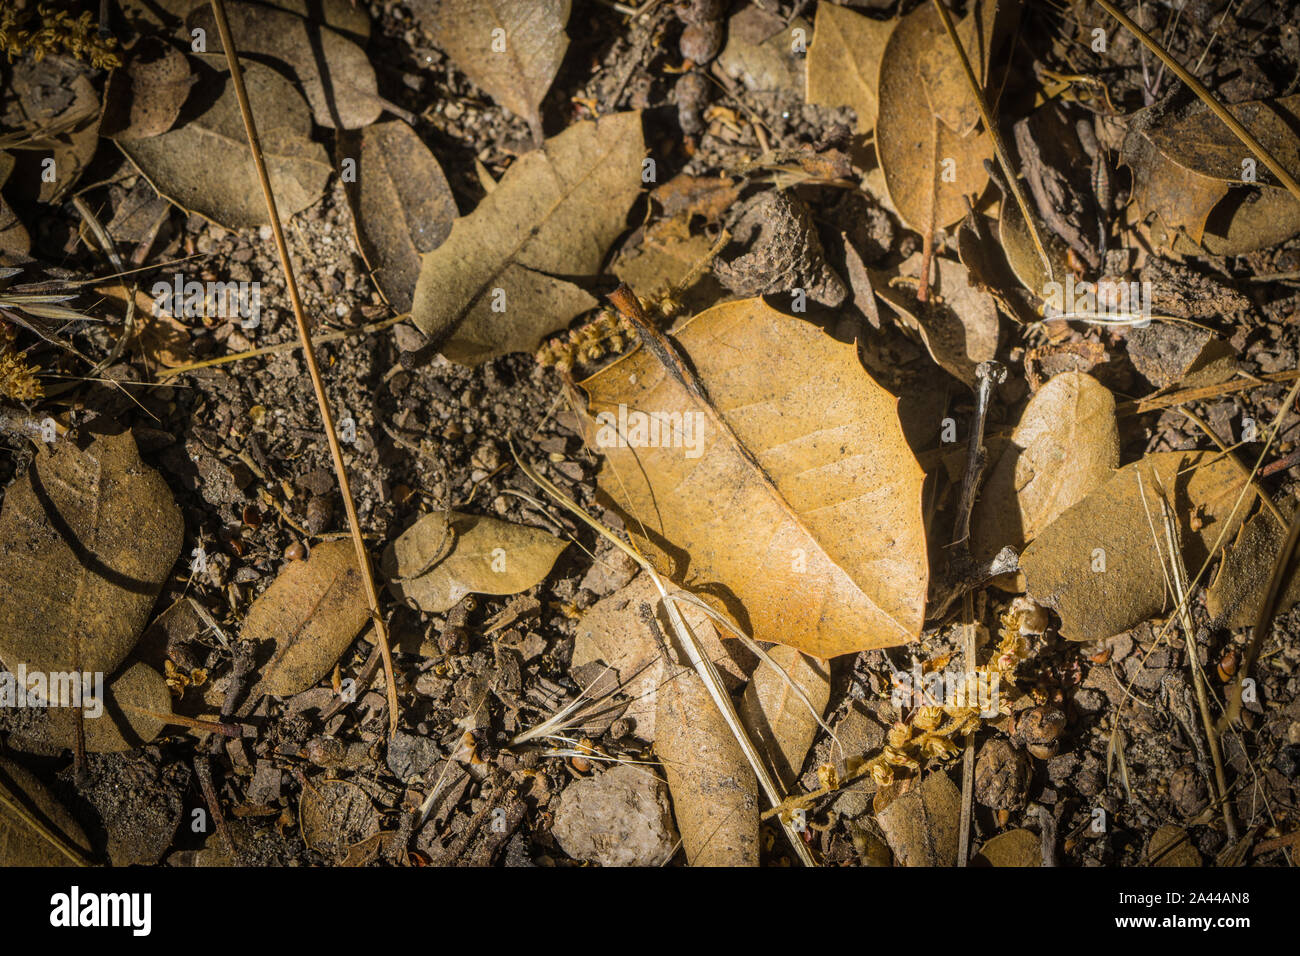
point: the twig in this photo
(1230, 121)
(327, 417)
(1179, 575)
(282, 347)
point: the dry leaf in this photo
(961, 329)
(121, 726)
(1186, 162)
(615, 630)
(832, 560)
(510, 48)
(20, 845)
(715, 794)
(1097, 565)
(1234, 598)
(494, 286)
(204, 165)
(56, 93)
(1013, 848)
(779, 722)
(1171, 845)
(930, 170)
(760, 50)
(921, 825)
(445, 556)
(144, 98)
(1065, 445)
(311, 613)
(1168, 353)
(844, 61)
(335, 74)
(87, 539)
(982, 33)
(335, 816)
(401, 205)
(661, 261)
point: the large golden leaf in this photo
(805, 519)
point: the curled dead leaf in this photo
(445, 556)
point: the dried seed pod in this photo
(691, 94)
(700, 42)
(319, 511)
(1039, 728)
(700, 11)
(1001, 776)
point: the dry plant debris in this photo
(671, 350)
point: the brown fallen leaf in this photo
(334, 73)
(666, 255)
(761, 50)
(335, 816)
(1013, 848)
(135, 704)
(778, 720)
(401, 205)
(144, 98)
(930, 170)
(1171, 845)
(983, 34)
(715, 794)
(615, 631)
(1186, 163)
(71, 121)
(445, 556)
(1097, 565)
(494, 286)
(1065, 445)
(203, 165)
(311, 612)
(844, 61)
(1234, 597)
(87, 538)
(960, 328)
(1168, 353)
(21, 844)
(809, 528)
(510, 48)
(921, 824)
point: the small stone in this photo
(410, 756)
(621, 817)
